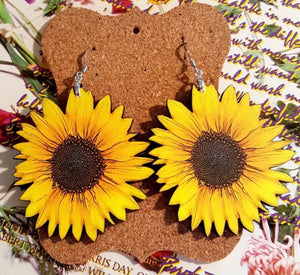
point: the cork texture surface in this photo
(138, 58)
(140, 61)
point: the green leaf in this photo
(270, 28)
(26, 246)
(4, 215)
(291, 109)
(37, 35)
(281, 209)
(268, 2)
(15, 250)
(288, 210)
(52, 7)
(4, 14)
(294, 212)
(280, 103)
(292, 119)
(284, 230)
(288, 66)
(254, 54)
(297, 75)
(20, 63)
(228, 11)
(16, 59)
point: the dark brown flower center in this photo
(76, 165)
(217, 159)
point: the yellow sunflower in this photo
(79, 164)
(219, 156)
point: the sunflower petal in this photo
(186, 210)
(34, 207)
(125, 150)
(177, 129)
(114, 131)
(42, 187)
(165, 137)
(96, 215)
(205, 107)
(100, 116)
(64, 215)
(90, 228)
(71, 112)
(30, 149)
(171, 153)
(55, 117)
(84, 112)
(269, 159)
(46, 129)
(217, 208)
(228, 109)
(259, 138)
(172, 169)
(77, 217)
(127, 173)
(34, 136)
(183, 116)
(230, 212)
(184, 192)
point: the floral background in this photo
(264, 60)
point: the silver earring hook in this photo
(79, 74)
(198, 73)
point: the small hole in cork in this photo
(136, 30)
(94, 48)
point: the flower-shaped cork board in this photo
(139, 59)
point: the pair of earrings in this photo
(218, 156)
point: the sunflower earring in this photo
(79, 163)
(219, 157)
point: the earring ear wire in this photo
(79, 74)
(198, 73)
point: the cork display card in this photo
(139, 60)
(114, 160)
